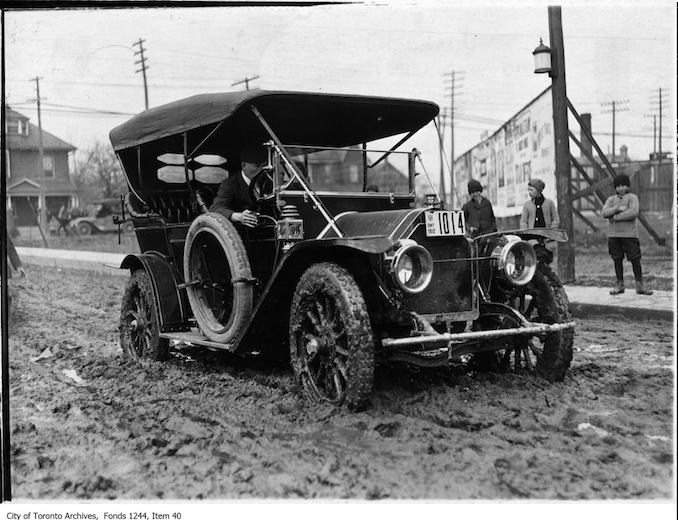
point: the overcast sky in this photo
(622, 51)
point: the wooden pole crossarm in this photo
(581, 170)
(589, 156)
(584, 219)
(592, 189)
(593, 142)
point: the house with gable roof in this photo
(25, 173)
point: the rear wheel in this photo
(331, 339)
(139, 323)
(548, 355)
(218, 276)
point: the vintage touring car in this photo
(346, 267)
(101, 218)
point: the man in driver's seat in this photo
(233, 199)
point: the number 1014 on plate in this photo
(445, 223)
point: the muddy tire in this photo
(553, 307)
(139, 324)
(331, 338)
(549, 355)
(217, 269)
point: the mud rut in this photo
(86, 423)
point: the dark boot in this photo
(640, 288)
(618, 287)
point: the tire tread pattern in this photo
(336, 282)
(554, 307)
(240, 268)
(140, 282)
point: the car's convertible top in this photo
(312, 119)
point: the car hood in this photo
(393, 223)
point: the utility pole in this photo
(144, 67)
(659, 102)
(441, 125)
(562, 144)
(452, 77)
(615, 108)
(42, 200)
(654, 131)
(246, 81)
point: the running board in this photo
(195, 337)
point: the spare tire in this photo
(218, 277)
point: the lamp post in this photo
(552, 61)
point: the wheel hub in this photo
(318, 346)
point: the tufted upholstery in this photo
(173, 206)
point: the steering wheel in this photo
(261, 187)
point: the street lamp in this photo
(542, 59)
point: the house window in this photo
(353, 173)
(48, 165)
(17, 126)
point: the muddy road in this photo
(88, 424)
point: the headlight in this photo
(411, 267)
(516, 259)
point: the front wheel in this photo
(84, 229)
(331, 339)
(549, 355)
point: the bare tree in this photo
(99, 175)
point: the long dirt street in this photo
(87, 423)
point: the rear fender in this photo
(170, 300)
(270, 317)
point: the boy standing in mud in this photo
(622, 210)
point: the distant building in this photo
(24, 171)
(342, 170)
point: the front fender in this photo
(170, 301)
(271, 312)
(557, 235)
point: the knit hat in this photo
(254, 155)
(473, 186)
(537, 184)
(622, 180)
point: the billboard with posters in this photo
(503, 162)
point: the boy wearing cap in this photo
(233, 199)
(540, 212)
(478, 211)
(622, 210)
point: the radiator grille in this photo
(452, 289)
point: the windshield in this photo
(349, 170)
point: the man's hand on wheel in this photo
(246, 218)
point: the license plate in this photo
(445, 223)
